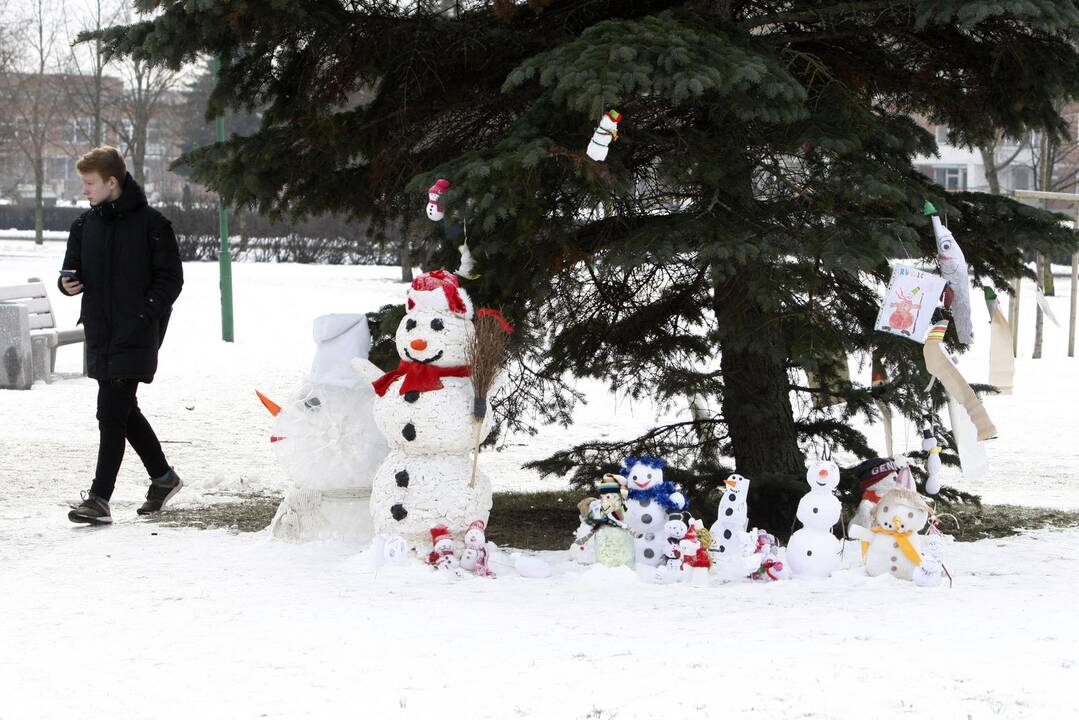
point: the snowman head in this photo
(644, 472)
(902, 510)
(823, 476)
(610, 119)
(437, 327)
(677, 525)
(474, 537)
(441, 539)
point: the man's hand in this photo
(72, 287)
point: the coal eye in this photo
(910, 514)
(437, 324)
(649, 476)
(885, 508)
(411, 324)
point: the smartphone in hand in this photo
(72, 275)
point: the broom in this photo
(485, 356)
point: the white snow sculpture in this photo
(327, 442)
(813, 552)
(731, 542)
(424, 411)
(648, 502)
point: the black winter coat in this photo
(130, 269)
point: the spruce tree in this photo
(741, 224)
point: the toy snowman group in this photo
(474, 557)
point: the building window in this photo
(942, 135)
(1022, 178)
(953, 177)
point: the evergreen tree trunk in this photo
(756, 388)
(406, 258)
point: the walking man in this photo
(122, 257)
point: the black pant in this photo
(119, 419)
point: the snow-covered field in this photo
(139, 620)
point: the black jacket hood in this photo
(131, 198)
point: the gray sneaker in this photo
(161, 491)
(92, 511)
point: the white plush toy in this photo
(605, 134)
(648, 501)
(676, 527)
(953, 266)
(424, 410)
(583, 548)
(932, 461)
(877, 477)
(442, 555)
(813, 551)
(477, 552)
(731, 543)
(931, 572)
(893, 545)
(435, 211)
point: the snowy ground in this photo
(238, 626)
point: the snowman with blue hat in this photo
(650, 499)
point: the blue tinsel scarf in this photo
(660, 493)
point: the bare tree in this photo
(996, 159)
(85, 85)
(33, 97)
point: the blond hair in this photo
(106, 161)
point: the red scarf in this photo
(418, 376)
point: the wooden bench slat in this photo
(37, 305)
(37, 322)
(20, 292)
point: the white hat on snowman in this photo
(439, 291)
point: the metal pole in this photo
(1013, 314)
(225, 255)
(1075, 283)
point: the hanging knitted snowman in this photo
(813, 551)
(435, 210)
(605, 134)
(893, 544)
(731, 543)
(648, 502)
(424, 410)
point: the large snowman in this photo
(424, 410)
(648, 502)
(813, 551)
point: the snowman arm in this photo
(678, 499)
(365, 370)
(857, 532)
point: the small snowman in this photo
(892, 544)
(435, 211)
(931, 572)
(648, 501)
(441, 556)
(766, 563)
(676, 527)
(583, 548)
(605, 134)
(614, 541)
(731, 544)
(694, 550)
(475, 556)
(813, 551)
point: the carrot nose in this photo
(419, 344)
(823, 473)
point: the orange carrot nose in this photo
(823, 473)
(419, 344)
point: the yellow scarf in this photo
(902, 538)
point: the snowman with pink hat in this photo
(477, 552)
(424, 410)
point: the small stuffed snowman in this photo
(605, 134)
(476, 553)
(648, 501)
(695, 560)
(435, 211)
(676, 527)
(441, 556)
(893, 545)
(766, 563)
(932, 461)
(614, 541)
(813, 551)
(583, 548)
(730, 541)
(931, 572)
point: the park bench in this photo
(44, 338)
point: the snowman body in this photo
(931, 572)
(813, 551)
(426, 420)
(894, 545)
(648, 502)
(603, 136)
(583, 548)
(731, 542)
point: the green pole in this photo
(225, 256)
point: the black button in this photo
(398, 511)
(412, 396)
(402, 478)
(409, 431)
